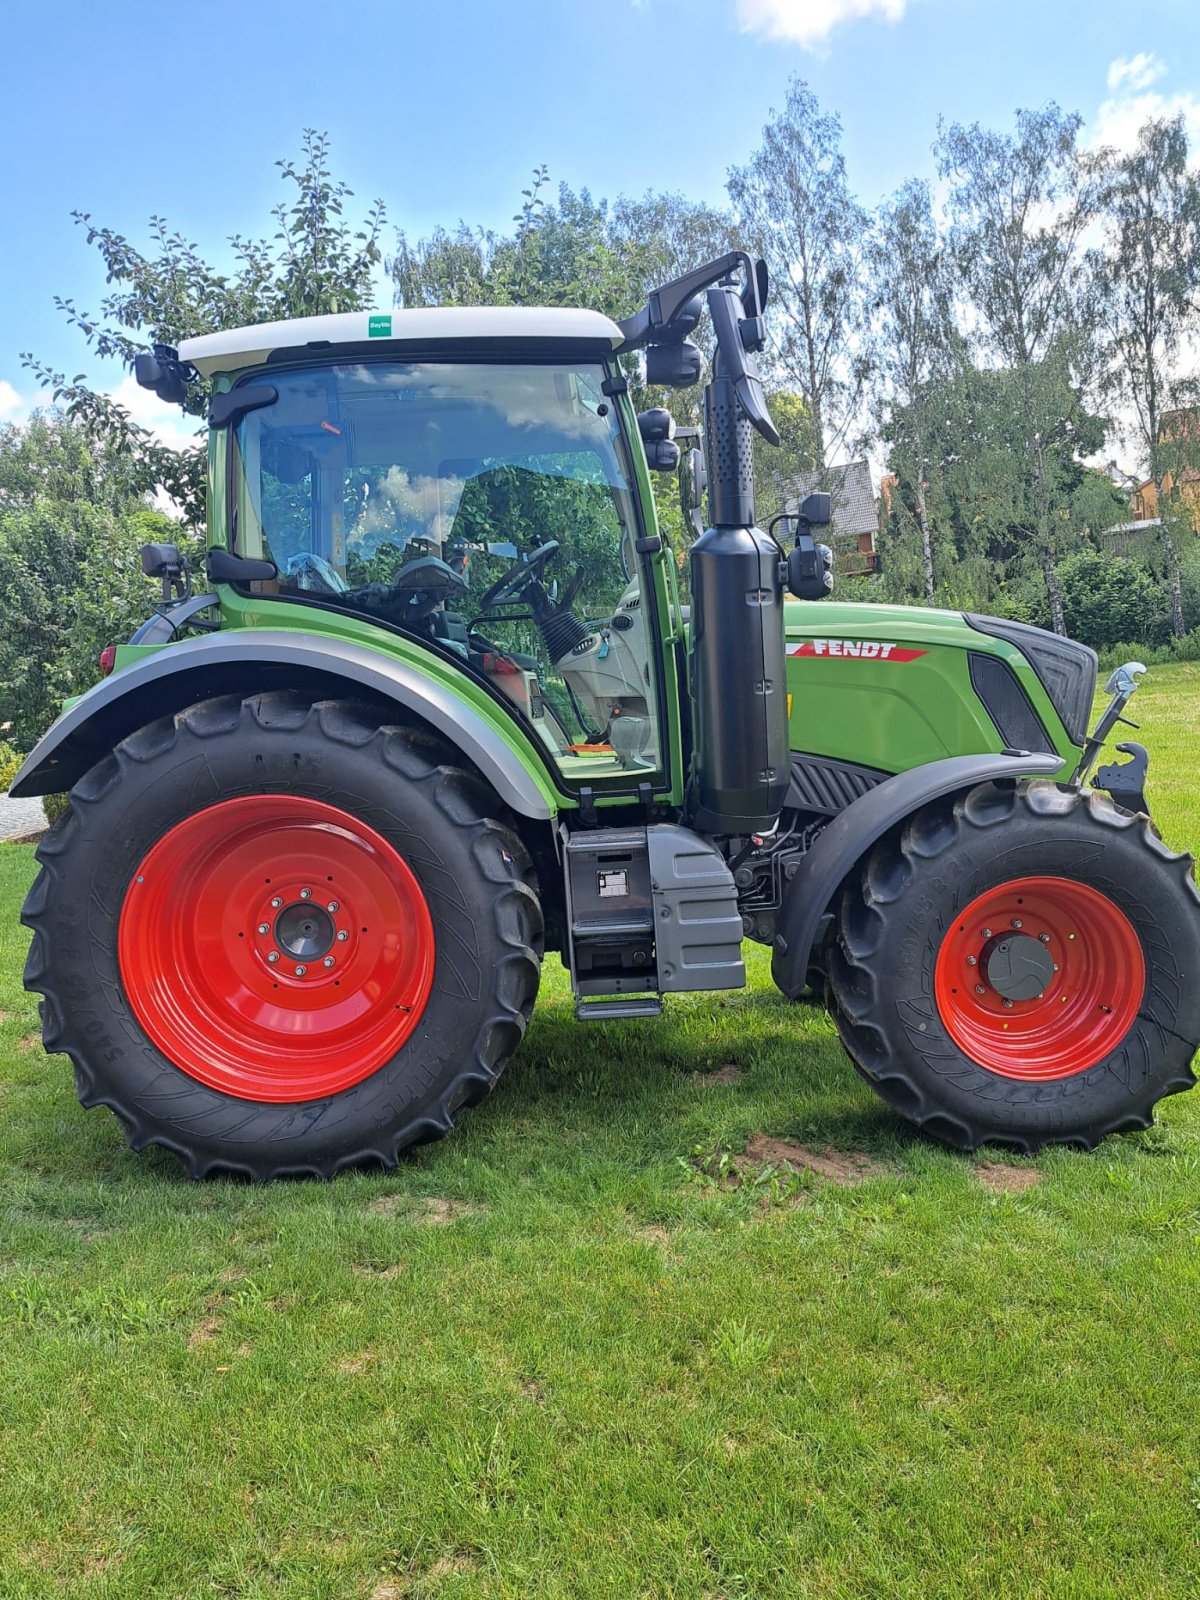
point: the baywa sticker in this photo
(857, 649)
(379, 327)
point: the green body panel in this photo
(904, 709)
(242, 611)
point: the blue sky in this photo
(134, 107)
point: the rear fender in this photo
(250, 660)
(841, 846)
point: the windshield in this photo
(483, 506)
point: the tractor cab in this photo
(447, 476)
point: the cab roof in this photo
(425, 328)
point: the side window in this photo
(483, 507)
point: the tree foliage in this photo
(314, 261)
(796, 209)
(1146, 296)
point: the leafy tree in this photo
(71, 521)
(1147, 293)
(1018, 206)
(794, 203)
(314, 262)
(912, 310)
(1107, 599)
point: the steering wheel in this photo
(509, 584)
(313, 573)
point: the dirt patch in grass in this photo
(204, 1333)
(721, 1075)
(31, 1041)
(653, 1233)
(365, 1270)
(1002, 1179)
(835, 1166)
(418, 1583)
(437, 1210)
(532, 1390)
(354, 1366)
(433, 1208)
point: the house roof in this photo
(855, 510)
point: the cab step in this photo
(634, 1005)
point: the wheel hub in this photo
(305, 931)
(1018, 966)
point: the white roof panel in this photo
(236, 348)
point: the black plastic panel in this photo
(1006, 702)
(826, 786)
(1066, 668)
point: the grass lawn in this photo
(551, 1357)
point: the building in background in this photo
(855, 524)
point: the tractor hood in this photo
(894, 686)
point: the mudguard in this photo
(244, 662)
(852, 833)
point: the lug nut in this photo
(264, 927)
(1056, 966)
(300, 971)
(333, 906)
(277, 901)
(273, 957)
(306, 894)
(972, 961)
(1008, 1005)
(343, 936)
(979, 989)
(987, 933)
(328, 961)
(1017, 923)
(1044, 937)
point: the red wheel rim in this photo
(1095, 977)
(276, 948)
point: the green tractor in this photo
(441, 709)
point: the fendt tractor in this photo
(441, 708)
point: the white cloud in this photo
(809, 22)
(15, 406)
(1133, 103)
(1135, 72)
(167, 423)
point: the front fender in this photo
(840, 846)
(250, 659)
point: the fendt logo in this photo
(862, 649)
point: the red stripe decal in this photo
(855, 650)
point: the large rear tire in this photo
(275, 937)
(1021, 966)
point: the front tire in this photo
(1021, 966)
(275, 937)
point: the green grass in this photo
(550, 1357)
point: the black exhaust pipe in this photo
(740, 773)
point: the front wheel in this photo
(275, 937)
(1021, 966)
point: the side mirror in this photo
(693, 481)
(161, 371)
(817, 510)
(657, 428)
(674, 366)
(164, 561)
(810, 569)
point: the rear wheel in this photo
(1021, 966)
(274, 937)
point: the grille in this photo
(1017, 723)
